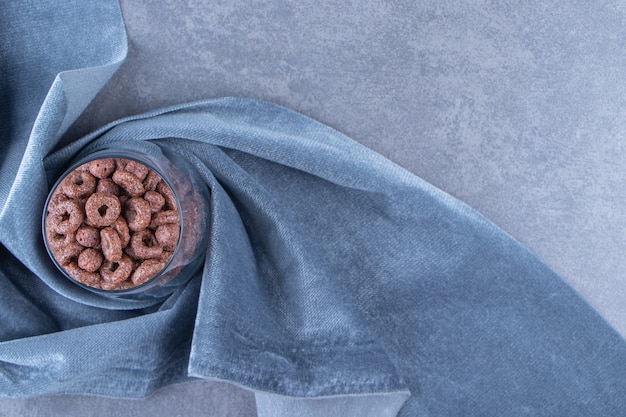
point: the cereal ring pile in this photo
(112, 224)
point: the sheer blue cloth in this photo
(330, 270)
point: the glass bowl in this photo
(155, 271)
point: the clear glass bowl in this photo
(192, 199)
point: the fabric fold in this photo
(49, 77)
(128, 357)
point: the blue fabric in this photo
(330, 270)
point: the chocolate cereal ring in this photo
(57, 240)
(144, 245)
(56, 198)
(116, 272)
(117, 286)
(139, 170)
(137, 214)
(90, 260)
(121, 227)
(107, 186)
(151, 181)
(164, 217)
(166, 192)
(101, 168)
(120, 163)
(88, 236)
(78, 184)
(102, 209)
(111, 244)
(129, 182)
(66, 216)
(146, 271)
(66, 254)
(155, 199)
(91, 279)
(167, 236)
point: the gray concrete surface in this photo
(517, 109)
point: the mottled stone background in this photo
(517, 108)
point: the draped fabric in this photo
(331, 272)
